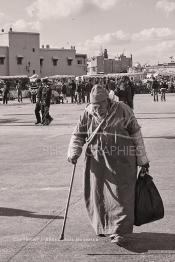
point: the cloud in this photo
(45, 9)
(108, 40)
(165, 5)
(154, 44)
(120, 38)
(153, 34)
(104, 4)
(21, 25)
(2, 15)
(154, 53)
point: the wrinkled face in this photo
(100, 108)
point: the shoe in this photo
(45, 123)
(37, 123)
(49, 121)
(119, 240)
(101, 235)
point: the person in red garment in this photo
(114, 150)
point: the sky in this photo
(143, 28)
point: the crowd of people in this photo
(79, 89)
(5, 88)
(45, 91)
(160, 86)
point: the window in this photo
(33, 49)
(69, 62)
(41, 61)
(79, 62)
(2, 60)
(19, 60)
(55, 62)
(34, 71)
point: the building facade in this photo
(102, 65)
(23, 56)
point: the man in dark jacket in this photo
(72, 91)
(155, 88)
(39, 106)
(124, 91)
(5, 93)
(45, 102)
(88, 88)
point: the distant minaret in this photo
(105, 54)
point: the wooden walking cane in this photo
(67, 205)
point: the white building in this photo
(23, 56)
(101, 65)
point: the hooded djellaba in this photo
(115, 149)
(125, 91)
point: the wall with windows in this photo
(99, 64)
(80, 64)
(24, 53)
(25, 57)
(61, 62)
(4, 60)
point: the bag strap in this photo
(92, 136)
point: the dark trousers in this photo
(163, 95)
(83, 98)
(39, 107)
(5, 99)
(155, 94)
(88, 98)
(73, 98)
(20, 97)
(33, 99)
(46, 116)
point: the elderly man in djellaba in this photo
(115, 149)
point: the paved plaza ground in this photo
(34, 183)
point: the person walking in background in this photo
(45, 102)
(33, 95)
(155, 88)
(5, 93)
(72, 91)
(114, 150)
(78, 92)
(39, 107)
(88, 88)
(64, 91)
(163, 90)
(124, 91)
(19, 90)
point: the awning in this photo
(34, 76)
(69, 58)
(55, 58)
(41, 58)
(14, 77)
(2, 56)
(20, 56)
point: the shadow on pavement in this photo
(8, 120)
(144, 242)
(4, 211)
(139, 243)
